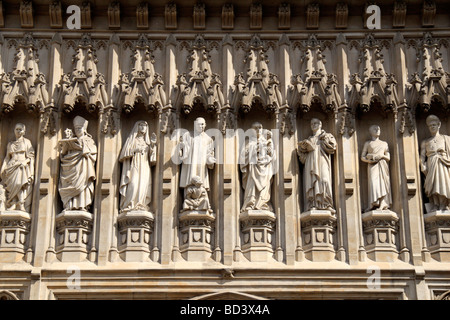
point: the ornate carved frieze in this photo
(258, 85)
(372, 83)
(431, 83)
(314, 85)
(84, 84)
(25, 84)
(200, 86)
(142, 84)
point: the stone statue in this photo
(257, 161)
(77, 174)
(196, 151)
(376, 154)
(17, 171)
(315, 153)
(435, 164)
(2, 198)
(196, 197)
(137, 155)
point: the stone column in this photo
(110, 126)
(347, 167)
(410, 209)
(48, 166)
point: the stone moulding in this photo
(437, 228)
(14, 230)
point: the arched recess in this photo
(8, 295)
(81, 92)
(199, 95)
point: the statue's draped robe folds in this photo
(257, 167)
(197, 157)
(17, 169)
(76, 185)
(437, 180)
(317, 171)
(136, 181)
(378, 174)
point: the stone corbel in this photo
(55, 15)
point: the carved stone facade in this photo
(292, 211)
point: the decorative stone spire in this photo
(25, 84)
(258, 84)
(84, 84)
(142, 84)
(372, 83)
(200, 85)
(314, 84)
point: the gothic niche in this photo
(374, 102)
(199, 102)
(429, 95)
(257, 98)
(82, 98)
(140, 98)
(23, 96)
(314, 94)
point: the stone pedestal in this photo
(318, 229)
(73, 228)
(257, 227)
(196, 234)
(437, 228)
(14, 228)
(380, 231)
(135, 230)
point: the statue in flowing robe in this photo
(196, 152)
(17, 171)
(435, 164)
(257, 161)
(77, 174)
(315, 153)
(376, 154)
(137, 156)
